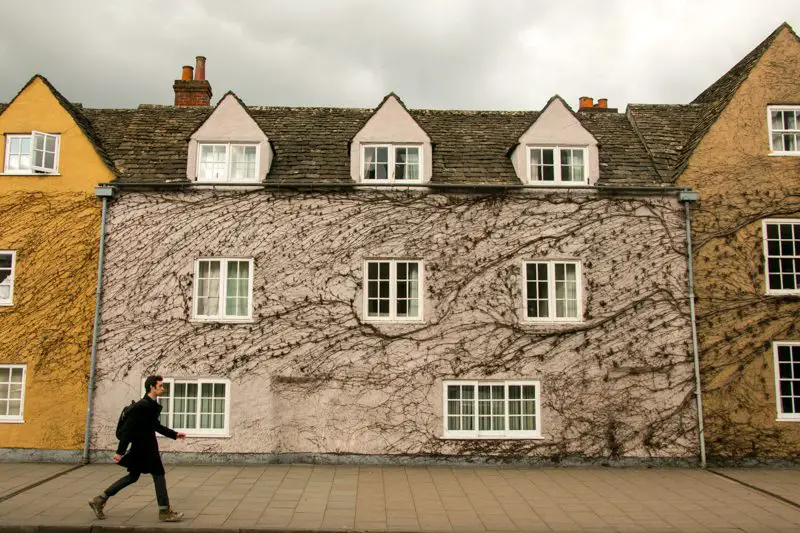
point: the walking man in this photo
(139, 429)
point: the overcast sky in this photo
(463, 54)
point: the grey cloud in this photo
(440, 54)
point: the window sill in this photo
(392, 321)
(783, 293)
(492, 437)
(29, 174)
(222, 321)
(12, 421)
(784, 154)
(545, 184)
(788, 419)
(6, 304)
(197, 435)
(528, 322)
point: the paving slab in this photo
(785, 482)
(411, 499)
(16, 476)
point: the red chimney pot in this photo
(200, 68)
(585, 102)
(186, 73)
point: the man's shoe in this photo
(169, 515)
(97, 503)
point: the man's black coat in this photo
(139, 430)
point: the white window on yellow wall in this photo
(7, 264)
(34, 153)
(784, 129)
(12, 393)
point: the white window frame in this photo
(198, 432)
(781, 416)
(505, 434)
(772, 151)
(16, 419)
(223, 288)
(551, 291)
(393, 291)
(34, 170)
(769, 291)
(228, 162)
(5, 302)
(392, 154)
(557, 165)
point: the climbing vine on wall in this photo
(618, 383)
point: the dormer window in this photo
(784, 129)
(391, 163)
(556, 165)
(227, 162)
(34, 153)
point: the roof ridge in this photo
(738, 72)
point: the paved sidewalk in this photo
(15, 476)
(434, 498)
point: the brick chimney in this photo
(193, 89)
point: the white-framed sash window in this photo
(12, 393)
(197, 407)
(34, 153)
(223, 289)
(782, 256)
(393, 290)
(784, 129)
(391, 163)
(492, 409)
(551, 291)
(227, 162)
(557, 165)
(787, 379)
(8, 259)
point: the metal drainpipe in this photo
(105, 193)
(687, 198)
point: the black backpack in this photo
(122, 416)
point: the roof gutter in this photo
(658, 190)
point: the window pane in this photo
(16, 375)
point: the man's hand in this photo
(117, 457)
(181, 435)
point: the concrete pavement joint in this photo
(40, 482)
(758, 489)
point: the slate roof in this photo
(665, 130)
(149, 144)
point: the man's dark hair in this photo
(150, 382)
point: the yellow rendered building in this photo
(49, 240)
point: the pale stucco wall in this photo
(556, 126)
(308, 375)
(391, 123)
(230, 123)
(740, 184)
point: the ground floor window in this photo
(197, 407)
(787, 379)
(492, 409)
(12, 392)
